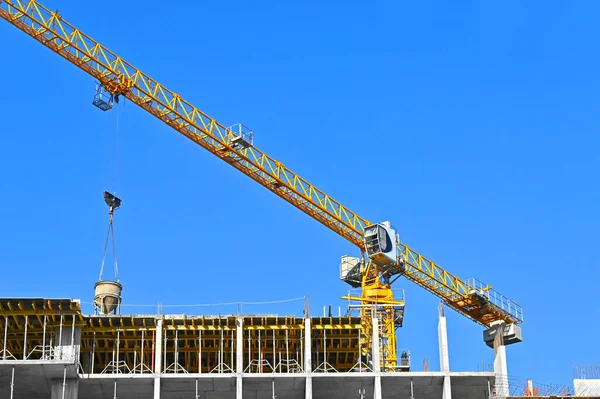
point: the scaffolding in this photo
(56, 329)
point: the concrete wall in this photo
(587, 388)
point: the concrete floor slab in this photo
(32, 378)
(33, 381)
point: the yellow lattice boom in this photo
(120, 78)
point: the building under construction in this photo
(50, 348)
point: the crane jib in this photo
(117, 77)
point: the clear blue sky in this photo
(473, 128)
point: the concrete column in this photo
(71, 389)
(239, 357)
(64, 388)
(501, 371)
(158, 357)
(307, 358)
(376, 358)
(444, 357)
(500, 366)
(67, 348)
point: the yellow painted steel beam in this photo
(373, 301)
(118, 76)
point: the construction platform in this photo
(50, 349)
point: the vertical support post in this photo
(25, 339)
(142, 353)
(5, 336)
(325, 350)
(444, 357)
(359, 353)
(199, 351)
(376, 361)
(64, 384)
(176, 350)
(239, 357)
(158, 357)
(92, 360)
(500, 369)
(274, 354)
(287, 352)
(500, 366)
(12, 383)
(73, 340)
(259, 354)
(118, 346)
(231, 350)
(301, 350)
(221, 352)
(115, 390)
(307, 358)
(164, 366)
(60, 328)
(44, 339)
(249, 352)
(113, 360)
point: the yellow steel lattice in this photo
(119, 77)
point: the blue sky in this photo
(472, 127)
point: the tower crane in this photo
(383, 258)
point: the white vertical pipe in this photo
(325, 349)
(25, 339)
(60, 335)
(377, 394)
(157, 357)
(142, 360)
(301, 349)
(359, 353)
(239, 355)
(176, 350)
(221, 359)
(287, 351)
(60, 328)
(259, 354)
(165, 353)
(249, 351)
(274, 355)
(231, 350)
(307, 358)
(73, 339)
(64, 385)
(239, 346)
(12, 383)
(5, 336)
(113, 360)
(199, 351)
(93, 354)
(118, 347)
(44, 339)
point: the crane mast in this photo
(383, 258)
